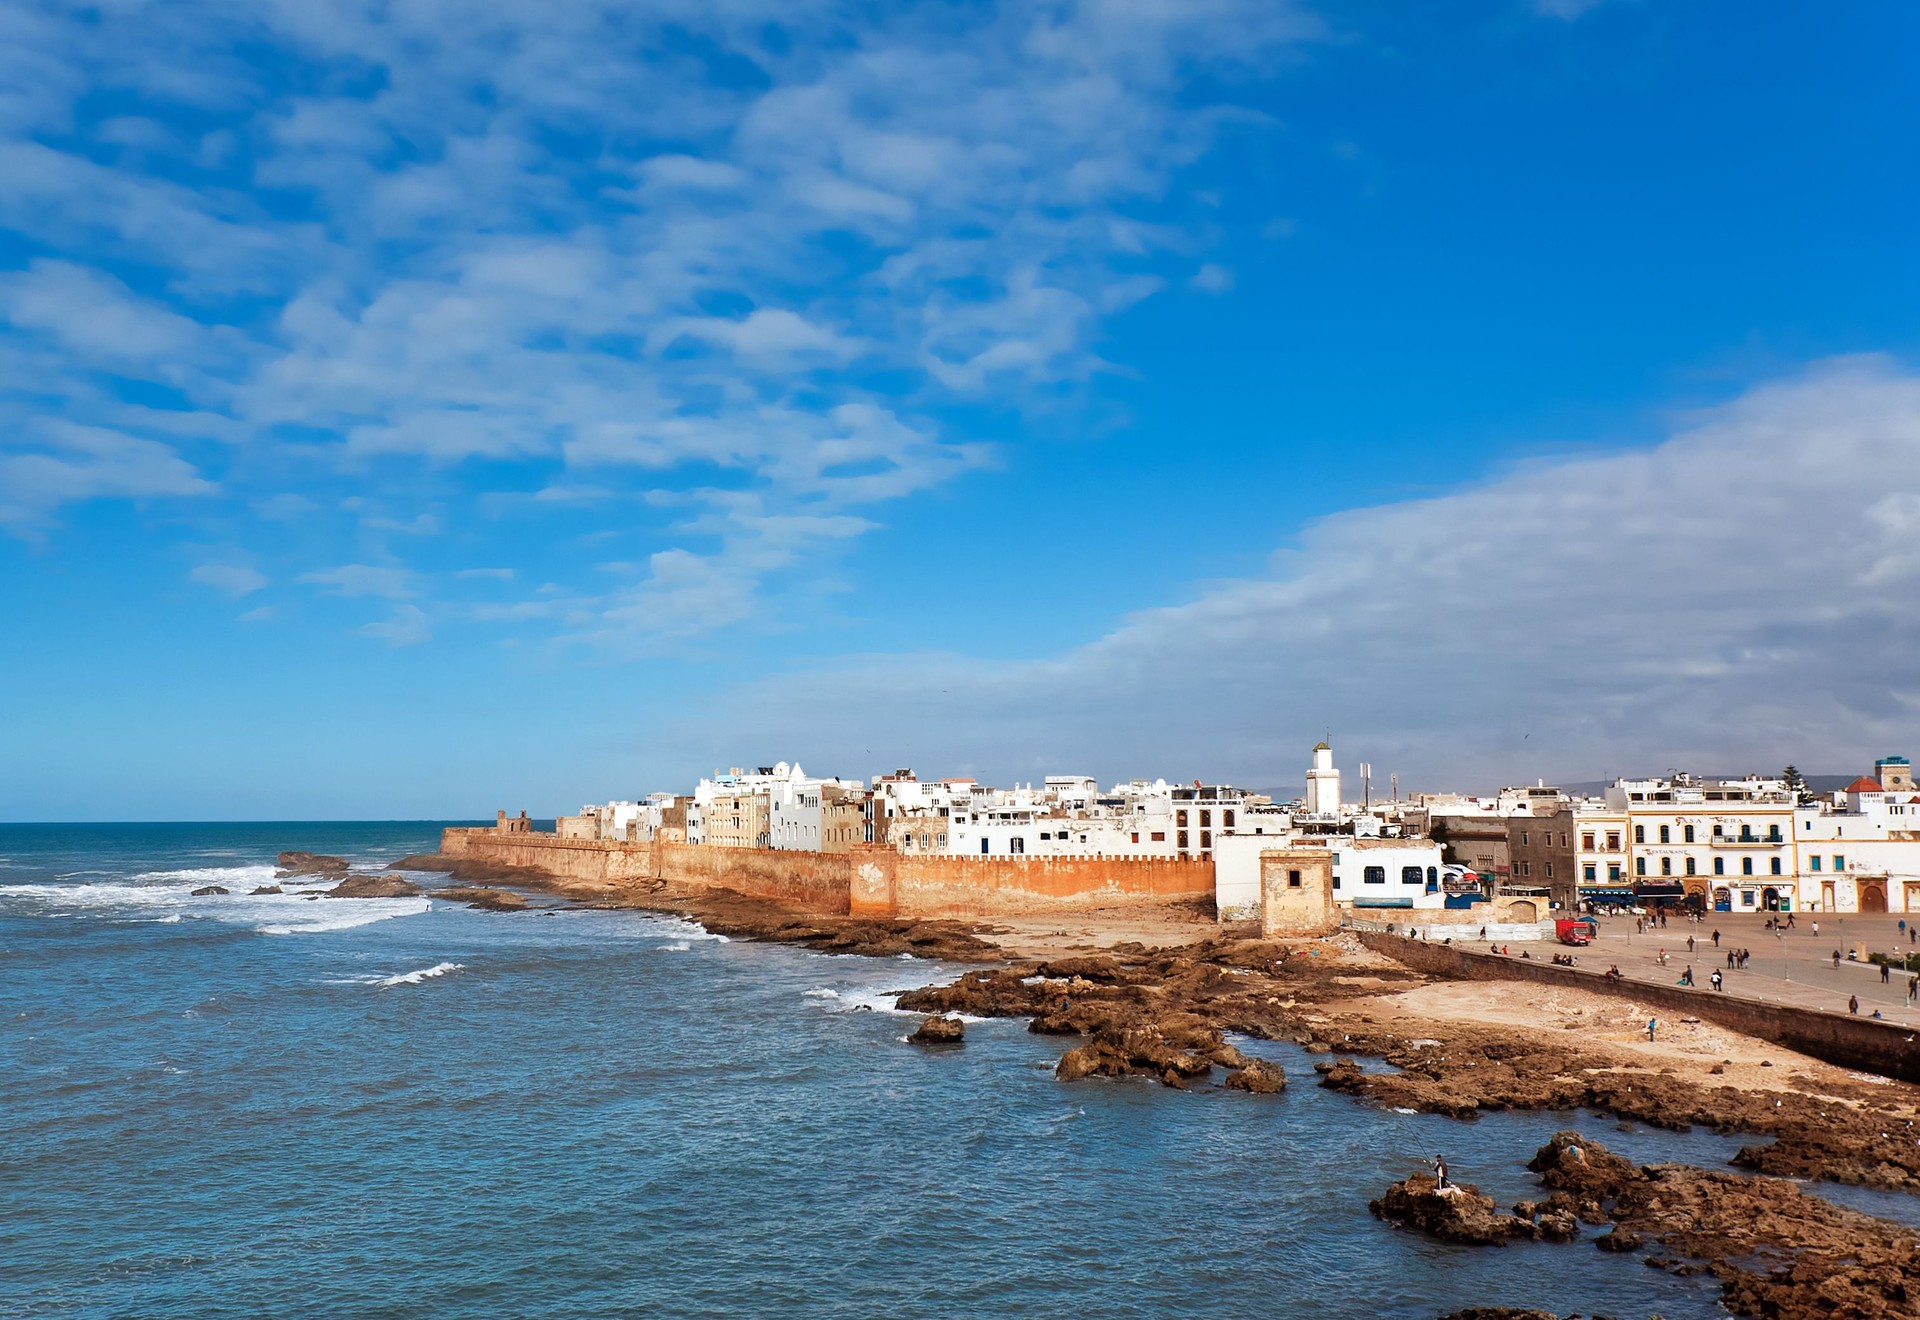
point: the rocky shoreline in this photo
(1166, 1013)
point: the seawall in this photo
(1841, 1039)
(870, 881)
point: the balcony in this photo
(1746, 840)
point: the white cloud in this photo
(365, 580)
(1737, 596)
(408, 626)
(57, 462)
(1212, 278)
(953, 199)
(236, 580)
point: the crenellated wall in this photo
(870, 881)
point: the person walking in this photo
(1716, 939)
(1886, 972)
(1836, 960)
(1816, 928)
(1686, 977)
(1729, 959)
(1715, 978)
(1913, 989)
(1651, 1024)
(1689, 944)
(1853, 1003)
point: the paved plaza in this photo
(1787, 966)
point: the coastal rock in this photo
(939, 1031)
(305, 863)
(1503, 1313)
(205, 890)
(1259, 1077)
(1456, 1213)
(483, 898)
(1621, 1239)
(269, 889)
(375, 886)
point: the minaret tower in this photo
(1323, 783)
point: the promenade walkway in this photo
(1787, 967)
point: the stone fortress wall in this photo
(870, 881)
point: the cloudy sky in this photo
(414, 407)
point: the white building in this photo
(1323, 785)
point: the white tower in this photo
(1323, 783)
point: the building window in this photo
(1016, 844)
(1839, 862)
(1433, 875)
(1206, 837)
(1776, 866)
(1586, 843)
(1136, 836)
(1044, 836)
(1613, 872)
(1719, 866)
(1523, 838)
(1526, 868)
(1375, 875)
(1158, 836)
(985, 846)
(1226, 819)
(1293, 879)
(1613, 843)
(1816, 861)
(1746, 866)
(1639, 833)
(1689, 866)
(1639, 866)
(1549, 870)
(1411, 875)
(1773, 834)
(1666, 835)
(1180, 816)
(1206, 816)
(1666, 866)
(1182, 840)
(1588, 872)
(1687, 834)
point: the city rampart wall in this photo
(1838, 1038)
(870, 881)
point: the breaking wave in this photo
(415, 978)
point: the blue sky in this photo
(416, 408)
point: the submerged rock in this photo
(269, 889)
(487, 900)
(205, 890)
(306, 863)
(375, 886)
(939, 1031)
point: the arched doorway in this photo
(1770, 899)
(1522, 910)
(1873, 896)
(1723, 900)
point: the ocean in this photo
(273, 1106)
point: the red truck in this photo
(1577, 931)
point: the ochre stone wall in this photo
(869, 881)
(1842, 1039)
(889, 883)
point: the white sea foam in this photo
(167, 897)
(680, 946)
(425, 973)
(823, 993)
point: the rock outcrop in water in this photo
(305, 863)
(1775, 1250)
(375, 886)
(206, 891)
(939, 1031)
(1455, 1213)
(1259, 1077)
(483, 898)
(268, 889)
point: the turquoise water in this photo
(278, 1107)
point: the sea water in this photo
(281, 1106)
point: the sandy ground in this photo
(1689, 1049)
